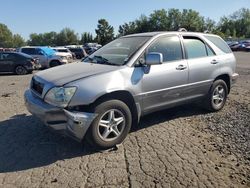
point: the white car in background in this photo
(65, 52)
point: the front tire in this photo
(217, 96)
(111, 125)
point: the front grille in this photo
(37, 86)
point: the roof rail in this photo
(182, 29)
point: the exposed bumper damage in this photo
(73, 124)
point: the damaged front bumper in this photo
(73, 124)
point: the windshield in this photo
(48, 51)
(117, 52)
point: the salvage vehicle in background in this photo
(79, 52)
(18, 63)
(65, 52)
(47, 56)
(102, 96)
(91, 47)
(240, 46)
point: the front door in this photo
(162, 84)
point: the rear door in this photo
(162, 84)
(202, 63)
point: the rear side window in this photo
(221, 44)
(30, 51)
(170, 47)
(196, 48)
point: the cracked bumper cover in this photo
(73, 124)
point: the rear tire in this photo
(217, 96)
(111, 125)
(20, 70)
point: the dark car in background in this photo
(18, 63)
(91, 47)
(240, 46)
(79, 53)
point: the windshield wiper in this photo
(104, 60)
(100, 60)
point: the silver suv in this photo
(102, 96)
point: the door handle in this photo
(214, 62)
(181, 67)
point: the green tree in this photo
(238, 24)
(142, 24)
(35, 39)
(67, 36)
(86, 38)
(5, 36)
(174, 16)
(210, 25)
(192, 21)
(159, 21)
(127, 28)
(17, 41)
(49, 39)
(104, 32)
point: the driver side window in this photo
(169, 47)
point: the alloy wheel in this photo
(218, 95)
(111, 125)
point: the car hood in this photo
(64, 74)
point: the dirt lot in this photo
(180, 147)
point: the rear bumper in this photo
(234, 78)
(73, 124)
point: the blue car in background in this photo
(240, 46)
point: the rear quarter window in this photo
(221, 44)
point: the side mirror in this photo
(154, 58)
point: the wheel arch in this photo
(55, 60)
(226, 79)
(124, 96)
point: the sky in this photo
(38, 16)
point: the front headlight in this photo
(60, 96)
(63, 58)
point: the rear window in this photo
(76, 49)
(62, 50)
(221, 44)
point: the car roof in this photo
(59, 48)
(152, 34)
(18, 53)
(35, 47)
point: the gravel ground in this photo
(179, 147)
